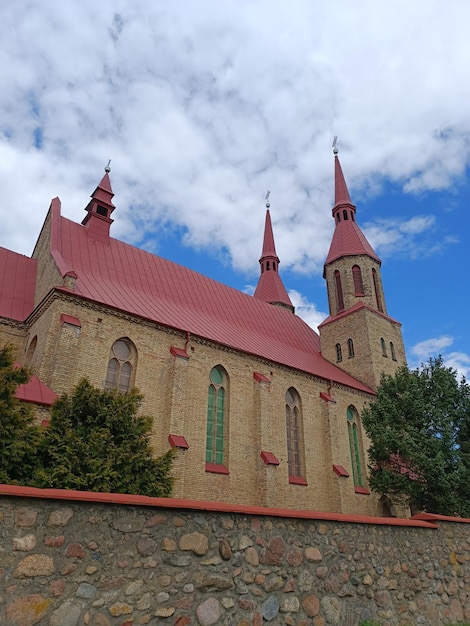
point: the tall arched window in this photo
(357, 278)
(216, 416)
(350, 348)
(384, 347)
(122, 365)
(355, 446)
(378, 297)
(294, 434)
(339, 353)
(392, 351)
(339, 291)
(31, 349)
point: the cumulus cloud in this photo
(203, 106)
(435, 346)
(307, 310)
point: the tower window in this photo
(384, 347)
(216, 416)
(345, 214)
(338, 217)
(101, 210)
(355, 446)
(352, 215)
(267, 265)
(392, 351)
(121, 366)
(294, 433)
(350, 348)
(357, 278)
(339, 291)
(339, 353)
(377, 290)
(274, 265)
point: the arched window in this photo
(121, 366)
(216, 416)
(357, 278)
(350, 348)
(345, 214)
(355, 446)
(392, 351)
(31, 349)
(378, 297)
(339, 353)
(384, 347)
(339, 291)
(294, 434)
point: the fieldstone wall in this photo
(71, 563)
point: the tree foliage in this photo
(419, 427)
(96, 441)
(19, 436)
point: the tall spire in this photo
(99, 209)
(270, 287)
(348, 239)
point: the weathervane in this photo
(335, 149)
(107, 168)
(268, 193)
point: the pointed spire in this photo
(99, 209)
(341, 190)
(348, 239)
(270, 287)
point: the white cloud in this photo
(307, 310)
(436, 346)
(202, 107)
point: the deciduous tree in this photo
(419, 425)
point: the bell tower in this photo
(358, 336)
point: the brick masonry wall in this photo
(67, 559)
(175, 395)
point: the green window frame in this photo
(216, 416)
(294, 434)
(355, 447)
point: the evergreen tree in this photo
(97, 442)
(419, 424)
(19, 436)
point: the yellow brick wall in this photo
(175, 392)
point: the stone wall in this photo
(68, 559)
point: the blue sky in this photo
(202, 107)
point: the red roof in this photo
(17, 285)
(121, 276)
(348, 239)
(270, 287)
(36, 392)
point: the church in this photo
(262, 409)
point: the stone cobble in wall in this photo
(68, 564)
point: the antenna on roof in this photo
(107, 168)
(335, 149)
(268, 193)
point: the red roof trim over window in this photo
(261, 378)
(179, 352)
(70, 319)
(36, 392)
(216, 469)
(45, 423)
(326, 397)
(178, 441)
(340, 471)
(363, 490)
(269, 458)
(297, 480)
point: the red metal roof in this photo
(17, 284)
(270, 287)
(348, 239)
(36, 392)
(124, 277)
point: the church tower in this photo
(358, 336)
(270, 287)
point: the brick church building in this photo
(262, 409)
